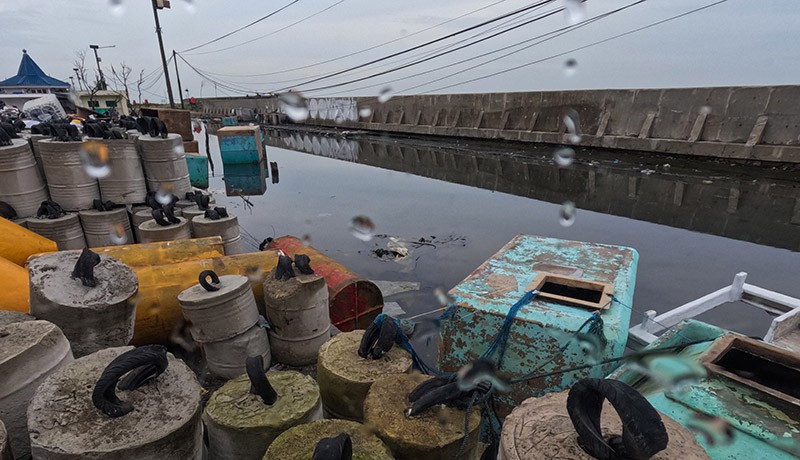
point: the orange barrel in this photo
(14, 295)
(19, 243)
(158, 312)
(354, 301)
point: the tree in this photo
(80, 66)
(121, 79)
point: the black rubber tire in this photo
(154, 357)
(643, 432)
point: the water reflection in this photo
(245, 179)
(754, 209)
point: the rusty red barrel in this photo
(354, 301)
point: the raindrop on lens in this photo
(675, 373)
(570, 67)
(575, 11)
(362, 228)
(705, 110)
(715, 430)
(564, 156)
(572, 123)
(295, 106)
(385, 94)
(94, 157)
(339, 118)
(443, 297)
(164, 196)
(117, 234)
(479, 372)
(590, 346)
(117, 8)
(567, 217)
(178, 150)
(306, 239)
(364, 111)
(189, 6)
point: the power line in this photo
(414, 48)
(243, 27)
(553, 56)
(273, 32)
(363, 50)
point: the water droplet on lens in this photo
(364, 111)
(568, 212)
(362, 228)
(339, 119)
(715, 430)
(570, 67)
(189, 6)
(673, 373)
(564, 156)
(591, 347)
(117, 7)
(117, 234)
(295, 106)
(705, 110)
(178, 150)
(385, 94)
(573, 125)
(164, 194)
(253, 273)
(306, 239)
(443, 297)
(94, 157)
(575, 11)
(480, 372)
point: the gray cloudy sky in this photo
(738, 42)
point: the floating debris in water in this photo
(94, 157)
(570, 67)
(362, 228)
(294, 105)
(568, 212)
(564, 156)
(385, 94)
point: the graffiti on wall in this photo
(333, 108)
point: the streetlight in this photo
(80, 85)
(102, 83)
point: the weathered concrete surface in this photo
(5, 448)
(673, 120)
(762, 213)
(227, 358)
(165, 422)
(92, 318)
(151, 232)
(299, 442)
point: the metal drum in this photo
(226, 358)
(66, 231)
(125, 183)
(34, 141)
(165, 164)
(106, 228)
(69, 184)
(140, 215)
(21, 185)
(226, 227)
(151, 232)
(222, 314)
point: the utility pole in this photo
(156, 7)
(102, 83)
(80, 85)
(178, 76)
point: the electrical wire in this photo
(243, 27)
(271, 33)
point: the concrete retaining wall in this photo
(749, 123)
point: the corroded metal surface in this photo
(542, 327)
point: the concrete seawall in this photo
(743, 123)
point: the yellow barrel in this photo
(18, 243)
(158, 312)
(165, 252)
(14, 294)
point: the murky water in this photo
(695, 223)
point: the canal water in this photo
(454, 203)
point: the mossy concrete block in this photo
(240, 426)
(92, 318)
(540, 429)
(164, 424)
(436, 434)
(29, 352)
(299, 442)
(345, 378)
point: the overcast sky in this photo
(738, 42)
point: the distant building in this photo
(29, 83)
(105, 100)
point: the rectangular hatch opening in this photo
(757, 365)
(573, 291)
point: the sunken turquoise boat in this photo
(748, 404)
(566, 283)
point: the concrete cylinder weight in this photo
(21, 184)
(165, 164)
(151, 232)
(106, 228)
(345, 378)
(165, 422)
(226, 358)
(241, 426)
(29, 352)
(92, 318)
(226, 227)
(66, 230)
(221, 314)
(297, 309)
(125, 182)
(69, 184)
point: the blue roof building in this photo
(30, 78)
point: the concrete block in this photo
(758, 131)
(601, 127)
(697, 129)
(644, 132)
(478, 120)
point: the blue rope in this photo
(402, 340)
(501, 339)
